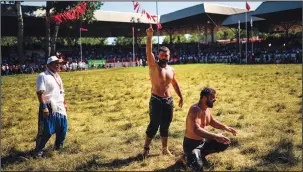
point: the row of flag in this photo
(72, 14)
(137, 8)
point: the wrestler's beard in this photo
(209, 103)
(162, 62)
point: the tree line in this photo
(51, 29)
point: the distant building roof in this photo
(200, 9)
(100, 15)
(268, 15)
(188, 20)
(111, 16)
(277, 6)
(234, 19)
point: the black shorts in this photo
(161, 114)
(205, 146)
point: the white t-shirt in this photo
(51, 82)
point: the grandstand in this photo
(205, 18)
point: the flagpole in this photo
(198, 35)
(157, 22)
(246, 36)
(80, 47)
(239, 40)
(252, 43)
(133, 29)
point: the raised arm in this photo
(149, 48)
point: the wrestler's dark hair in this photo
(206, 92)
(163, 49)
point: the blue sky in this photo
(163, 7)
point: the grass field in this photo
(108, 116)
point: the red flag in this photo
(147, 15)
(73, 14)
(83, 29)
(63, 16)
(143, 12)
(136, 5)
(57, 18)
(68, 15)
(247, 6)
(78, 14)
(83, 6)
(159, 26)
(80, 10)
(153, 17)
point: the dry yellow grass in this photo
(108, 116)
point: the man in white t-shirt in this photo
(52, 109)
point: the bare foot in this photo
(165, 151)
(182, 160)
(145, 152)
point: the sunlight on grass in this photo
(108, 116)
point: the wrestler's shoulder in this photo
(194, 109)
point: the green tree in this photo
(142, 41)
(129, 41)
(94, 41)
(123, 41)
(226, 34)
(194, 38)
(9, 41)
(175, 39)
(166, 40)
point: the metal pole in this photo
(240, 43)
(252, 34)
(157, 22)
(80, 47)
(246, 36)
(198, 35)
(134, 45)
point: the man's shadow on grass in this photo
(93, 164)
(178, 166)
(16, 156)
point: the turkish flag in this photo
(83, 29)
(148, 16)
(83, 6)
(153, 17)
(159, 26)
(247, 6)
(136, 5)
